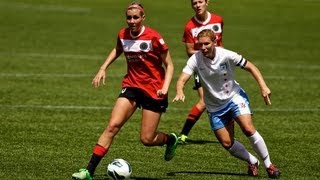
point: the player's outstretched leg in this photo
(261, 149)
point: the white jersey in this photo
(216, 76)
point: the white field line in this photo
(54, 56)
(44, 7)
(180, 60)
(291, 77)
(109, 108)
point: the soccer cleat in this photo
(182, 139)
(253, 169)
(273, 171)
(171, 148)
(82, 174)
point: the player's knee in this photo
(249, 131)
(227, 144)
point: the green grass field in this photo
(51, 117)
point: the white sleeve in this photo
(238, 59)
(191, 65)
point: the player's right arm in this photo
(113, 55)
(183, 79)
(187, 71)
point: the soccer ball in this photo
(119, 169)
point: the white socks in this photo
(239, 151)
(260, 148)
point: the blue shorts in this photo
(238, 105)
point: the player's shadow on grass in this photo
(190, 173)
(196, 141)
(105, 177)
(142, 178)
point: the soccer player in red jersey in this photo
(144, 86)
(202, 19)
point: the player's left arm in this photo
(255, 72)
(167, 61)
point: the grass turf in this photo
(51, 116)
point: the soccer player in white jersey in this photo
(203, 19)
(226, 101)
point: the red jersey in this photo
(194, 26)
(144, 63)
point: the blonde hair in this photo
(207, 33)
(136, 5)
(204, 0)
(207, 1)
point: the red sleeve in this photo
(187, 36)
(159, 43)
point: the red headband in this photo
(136, 6)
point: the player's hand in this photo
(266, 94)
(101, 75)
(267, 100)
(162, 92)
(180, 97)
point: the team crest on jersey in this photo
(215, 28)
(143, 46)
(223, 66)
